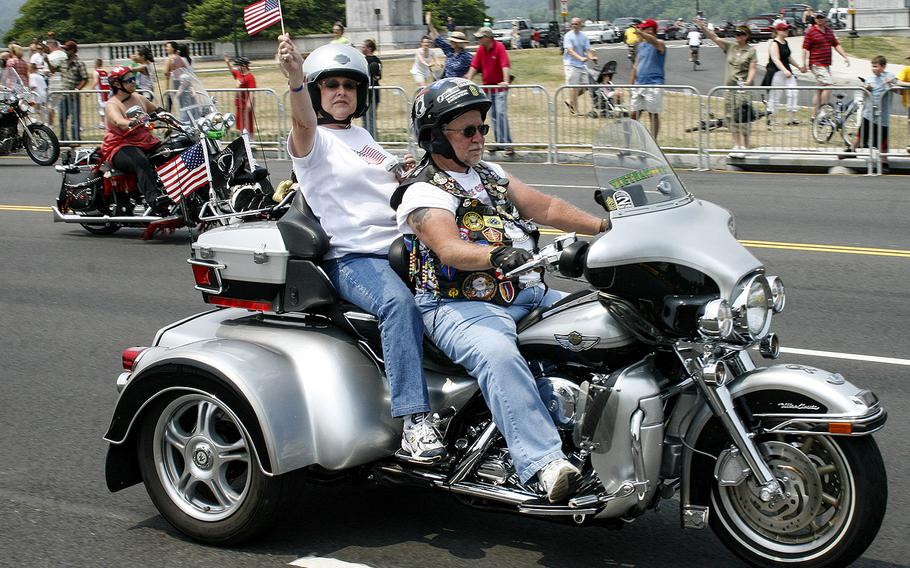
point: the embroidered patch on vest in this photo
(507, 291)
(478, 286)
(492, 221)
(492, 235)
(473, 221)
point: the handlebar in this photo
(547, 257)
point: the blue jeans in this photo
(499, 118)
(482, 337)
(370, 283)
(69, 108)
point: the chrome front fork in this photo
(712, 379)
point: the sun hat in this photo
(484, 32)
(458, 37)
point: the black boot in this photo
(159, 202)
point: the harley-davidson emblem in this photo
(576, 342)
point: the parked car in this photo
(599, 33)
(838, 18)
(762, 27)
(666, 29)
(623, 23)
(724, 28)
(795, 11)
(502, 31)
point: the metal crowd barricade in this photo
(392, 117)
(681, 111)
(526, 106)
(894, 115)
(267, 116)
(85, 104)
(782, 122)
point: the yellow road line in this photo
(805, 247)
(30, 208)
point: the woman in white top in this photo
(423, 63)
(143, 67)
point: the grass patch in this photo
(895, 49)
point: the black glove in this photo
(508, 259)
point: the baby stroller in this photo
(605, 100)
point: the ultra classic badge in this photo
(576, 342)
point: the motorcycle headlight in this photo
(778, 294)
(230, 120)
(717, 319)
(23, 105)
(753, 308)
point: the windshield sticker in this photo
(623, 200)
(638, 175)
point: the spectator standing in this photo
(143, 67)
(781, 65)
(458, 60)
(374, 67)
(450, 25)
(877, 111)
(17, 62)
(808, 18)
(648, 69)
(903, 80)
(817, 45)
(738, 72)
(74, 78)
(38, 84)
(55, 59)
(422, 70)
(243, 101)
(535, 38)
(338, 32)
(492, 61)
(173, 63)
(576, 53)
(516, 36)
(36, 56)
(100, 83)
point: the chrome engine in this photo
(562, 399)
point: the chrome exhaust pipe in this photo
(102, 219)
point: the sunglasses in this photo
(741, 33)
(333, 84)
(471, 131)
(126, 80)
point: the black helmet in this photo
(241, 60)
(440, 103)
(337, 60)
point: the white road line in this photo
(316, 562)
(851, 356)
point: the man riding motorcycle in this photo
(126, 142)
(469, 224)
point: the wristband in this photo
(605, 225)
(295, 89)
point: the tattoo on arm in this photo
(418, 217)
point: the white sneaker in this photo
(420, 440)
(556, 478)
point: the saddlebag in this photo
(248, 265)
(81, 186)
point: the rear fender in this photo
(794, 399)
(311, 398)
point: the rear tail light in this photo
(204, 275)
(207, 275)
(130, 355)
(252, 305)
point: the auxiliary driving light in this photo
(717, 320)
(715, 374)
(778, 294)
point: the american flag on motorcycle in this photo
(260, 15)
(184, 174)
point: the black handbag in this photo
(745, 113)
(770, 70)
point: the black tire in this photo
(260, 498)
(42, 145)
(838, 541)
(825, 124)
(103, 209)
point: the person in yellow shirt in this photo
(903, 80)
(631, 39)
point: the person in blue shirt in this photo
(458, 59)
(650, 57)
(876, 106)
(576, 53)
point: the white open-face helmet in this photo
(337, 60)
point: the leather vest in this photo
(477, 222)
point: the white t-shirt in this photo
(423, 194)
(38, 60)
(38, 84)
(421, 59)
(694, 38)
(346, 184)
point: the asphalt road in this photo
(70, 302)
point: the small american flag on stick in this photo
(260, 15)
(184, 174)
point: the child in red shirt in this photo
(100, 84)
(243, 102)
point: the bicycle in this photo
(693, 57)
(845, 118)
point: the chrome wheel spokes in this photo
(203, 457)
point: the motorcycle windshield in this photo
(10, 83)
(632, 172)
(190, 96)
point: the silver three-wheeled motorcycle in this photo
(648, 374)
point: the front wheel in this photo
(199, 467)
(41, 144)
(835, 495)
(851, 127)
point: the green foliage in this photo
(94, 21)
(211, 19)
(465, 12)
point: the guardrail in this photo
(780, 121)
